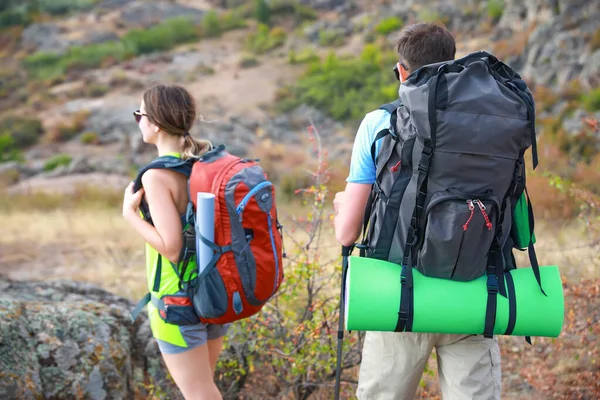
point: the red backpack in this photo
(246, 269)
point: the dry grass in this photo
(96, 245)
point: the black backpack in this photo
(450, 176)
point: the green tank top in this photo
(169, 284)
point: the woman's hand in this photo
(131, 201)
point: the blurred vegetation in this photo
(389, 25)
(23, 12)
(57, 161)
(345, 87)
(17, 133)
(265, 39)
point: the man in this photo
(393, 363)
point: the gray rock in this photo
(556, 52)
(65, 339)
(590, 74)
(96, 37)
(44, 37)
(80, 165)
(574, 125)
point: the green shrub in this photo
(24, 131)
(231, 20)
(248, 60)
(161, 37)
(292, 7)
(57, 161)
(591, 100)
(8, 151)
(495, 8)
(211, 25)
(262, 12)
(331, 37)
(61, 7)
(18, 16)
(264, 39)
(89, 138)
(306, 55)
(389, 25)
(345, 87)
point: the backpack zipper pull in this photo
(487, 219)
(472, 208)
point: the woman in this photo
(190, 352)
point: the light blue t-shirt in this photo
(362, 168)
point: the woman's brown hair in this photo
(173, 109)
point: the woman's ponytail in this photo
(194, 147)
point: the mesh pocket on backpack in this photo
(210, 299)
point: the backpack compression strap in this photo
(391, 109)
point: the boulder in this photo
(72, 340)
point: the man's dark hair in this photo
(425, 43)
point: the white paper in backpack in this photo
(205, 226)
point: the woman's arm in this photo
(165, 236)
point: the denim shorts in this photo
(194, 336)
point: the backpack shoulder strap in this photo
(391, 109)
(183, 167)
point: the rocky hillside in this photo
(74, 70)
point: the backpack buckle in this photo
(492, 284)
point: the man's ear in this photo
(403, 72)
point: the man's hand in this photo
(349, 206)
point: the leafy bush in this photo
(211, 25)
(231, 20)
(89, 138)
(24, 131)
(57, 161)
(248, 60)
(262, 12)
(304, 56)
(292, 7)
(346, 87)
(331, 37)
(17, 16)
(389, 25)
(161, 37)
(8, 151)
(495, 9)
(61, 7)
(265, 39)
(591, 100)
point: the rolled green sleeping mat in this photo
(372, 300)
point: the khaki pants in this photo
(393, 363)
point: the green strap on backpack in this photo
(522, 232)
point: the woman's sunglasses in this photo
(137, 114)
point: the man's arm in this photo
(350, 210)
(350, 204)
